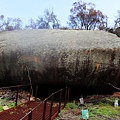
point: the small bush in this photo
(1, 108)
(10, 105)
(71, 105)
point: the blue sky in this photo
(26, 9)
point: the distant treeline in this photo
(83, 16)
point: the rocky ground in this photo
(8, 98)
(100, 107)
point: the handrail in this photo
(29, 114)
(14, 86)
(54, 93)
(31, 111)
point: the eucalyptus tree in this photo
(48, 20)
(85, 16)
(117, 21)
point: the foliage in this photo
(101, 109)
(116, 29)
(48, 20)
(84, 16)
(71, 105)
(1, 108)
(10, 23)
(10, 105)
(117, 21)
(51, 17)
(2, 23)
(6, 102)
(32, 24)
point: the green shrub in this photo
(1, 108)
(10, 105)
(106, 111)
(71, 105)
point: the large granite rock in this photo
(69, 57)
(117, 31)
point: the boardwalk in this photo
(32, 110)
(18, 112)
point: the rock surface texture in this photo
(54, 56)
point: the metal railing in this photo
(29, 115)
(17, 88)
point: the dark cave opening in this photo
(45, 90)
